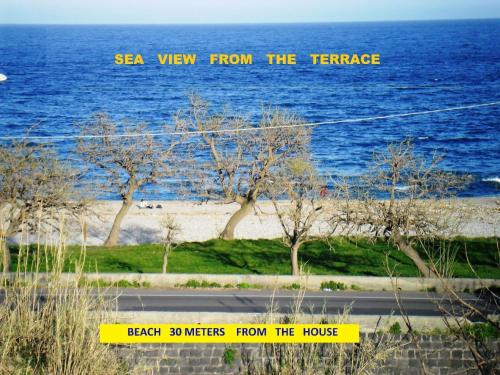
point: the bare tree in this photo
(34, 187)
(295, 194)
(130, 162)
(403, 198)
(233, 164)
(467, 320)
(170, 232)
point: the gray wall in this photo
(443, 356)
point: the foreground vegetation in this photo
(57, 332)
(339, 256)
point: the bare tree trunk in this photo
(245, 209)
(6, 258)
(112, 239)
(411, 253)
(166, 251)
(294, 251)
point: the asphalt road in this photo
(362, 303)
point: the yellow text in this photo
(282, 59)
(232, 59)
(128, 59)
(345, 59)
(177, 59)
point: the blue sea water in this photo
(59, 75)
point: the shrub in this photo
(192, 284)
(196, 284)
(333, 285)
(100, 283)
(133, 284)
(482, 331)
(207, 284)
(395, 329)
(229, 355)
(248, 286)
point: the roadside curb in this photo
(368, 283)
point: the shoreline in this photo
(203, 221)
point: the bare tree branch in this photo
(129, 163)
(234, 166)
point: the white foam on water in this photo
(492, 179)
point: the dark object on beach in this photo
(323, 192)
(159, 206)
(145, 204)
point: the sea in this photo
(58, 76)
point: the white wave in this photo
(492, 179)
(402, 188)
(3, 77)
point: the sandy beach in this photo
(200, 222)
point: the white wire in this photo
(249, 129)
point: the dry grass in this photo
(309, 359)
(52, 327)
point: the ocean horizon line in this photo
(272, 23)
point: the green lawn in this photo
(342, 256)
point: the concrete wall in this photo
(443, 356)
(312, 282)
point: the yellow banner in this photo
(229, 333)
